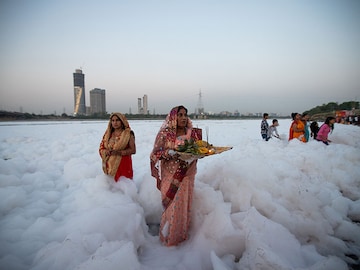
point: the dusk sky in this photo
(278, 56)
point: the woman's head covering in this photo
(111, 163)
(171, 119)
(166, 137)
(122, 118)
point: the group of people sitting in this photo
(300, 128)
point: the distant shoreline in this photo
(6, 116)
(18, 116)
(9, 119)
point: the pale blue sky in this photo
(252, 56)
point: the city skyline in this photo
(247, 56)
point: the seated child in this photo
(272, 129)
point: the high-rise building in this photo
(143, 108)
(140, 109)
(79, 93)
(145, 104)
(97, 101)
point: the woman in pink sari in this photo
(175, 177)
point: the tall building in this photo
(143, 108)
(145, 104)
(97, 101)
(79, 93)
(140, 111)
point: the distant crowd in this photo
(301, 128)
(350, 120)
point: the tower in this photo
(145, 104)
(139, 106)
(143, 108)
(97, 101)
(79, 93)
(200, 107)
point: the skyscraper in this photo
(97, 101)
(145, 104)
(143, 109)
(79, 93)
(140, 109)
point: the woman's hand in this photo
(116, 153)
(169, 154)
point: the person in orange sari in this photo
(297, 128)
(174, 177)
(117, 146)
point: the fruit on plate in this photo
(205, 147)
(199, 147)
(202, 143)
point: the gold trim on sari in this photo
(110, 164)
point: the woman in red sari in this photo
(297, 128)
(117, 146)
(175, 177)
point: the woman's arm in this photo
(131, 149)
(160, 150)
(102, 149)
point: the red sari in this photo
(116, 165)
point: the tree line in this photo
(329, 108)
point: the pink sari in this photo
(175, 180)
